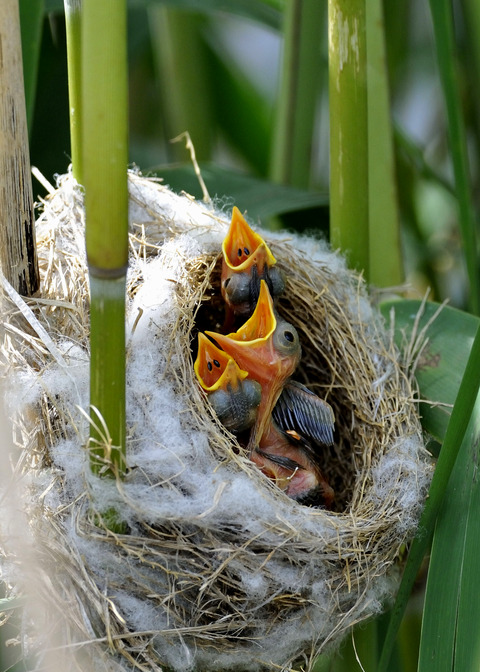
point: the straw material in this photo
(219, 568)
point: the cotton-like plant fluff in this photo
(217, 568)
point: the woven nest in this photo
(219, 568)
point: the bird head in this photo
(234, 397)
(266, 346)
(246, 259)
(214, 368)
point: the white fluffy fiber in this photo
(175, 476)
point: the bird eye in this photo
(285, 339)
(209, 366)
(227, 282)
(217, 363)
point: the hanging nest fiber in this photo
(218, 569)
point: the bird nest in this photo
(218, 568)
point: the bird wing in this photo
(301, 410)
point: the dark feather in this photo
(301, 410)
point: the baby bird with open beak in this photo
(268, 348)
(234, 397)
(246, 261)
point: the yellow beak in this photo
(251, 345)
(243, 248)
(214, 368)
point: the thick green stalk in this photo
(181, 67)
(73, 24)
(363, 200)
(348, 130)
(105, 152)
(385, 259)
(301, 77)
(442, 17)
(107, 374)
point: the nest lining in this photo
(220, 568)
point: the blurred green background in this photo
(217, 73)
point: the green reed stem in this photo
(349, 130)
(301, 78)
(73, 24)
(105, 157)
(364, 219)
(385, 258)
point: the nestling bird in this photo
(283, 454)
(288, 451)
(234, 397)
(246, 261)
(268, 348)
(287, 459)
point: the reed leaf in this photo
(441, 11)
(300, 88)
(180, 60)
(31, 22)
(441, 363)
(454, 435)
(261, 199)
(451, 618)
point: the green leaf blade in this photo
(467, 649)
(443, 360)
(454, 436)
(451, 615)
(31, 20)
(442, 17)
